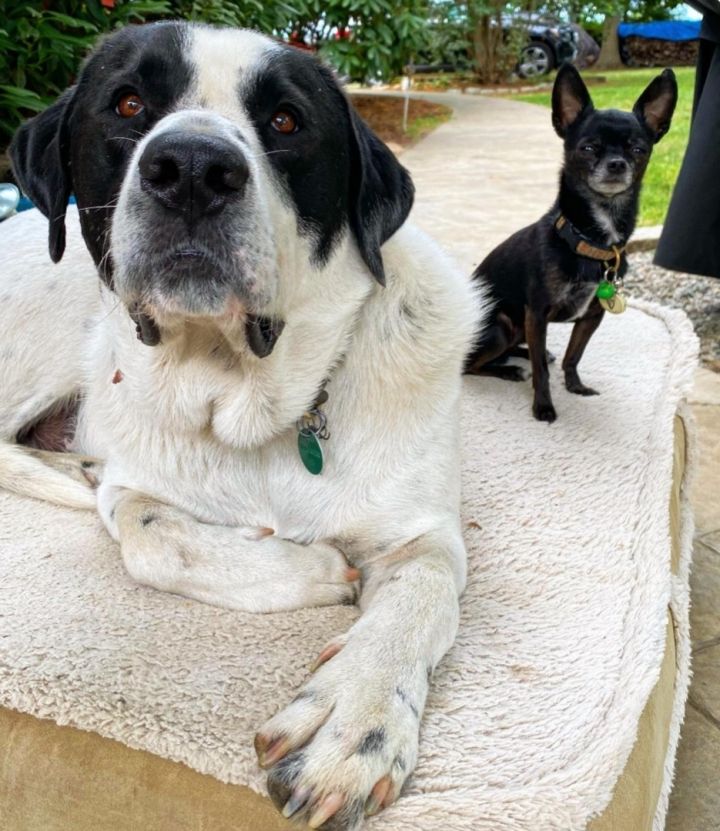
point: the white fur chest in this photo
(214, 431)
(574, 299)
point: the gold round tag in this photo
(615, 304)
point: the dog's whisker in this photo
(268, 153)
(98, 207)
(125, 138)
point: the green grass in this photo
(620, 92)
(419, 127)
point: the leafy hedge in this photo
(42, 42)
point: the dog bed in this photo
(558, 708)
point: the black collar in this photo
(585, 247)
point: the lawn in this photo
(620, 91)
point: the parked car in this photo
(551, 44)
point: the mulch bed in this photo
(384, 115)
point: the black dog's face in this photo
(210, 166)
(607, 151)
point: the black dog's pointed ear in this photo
(570, 99)
(40, 156)
(655, 107)
(381, 194)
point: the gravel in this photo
(699, 297)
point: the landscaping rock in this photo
(698, 296)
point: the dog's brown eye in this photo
(284, 122)
(129, 105)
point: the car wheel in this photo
(535, 59)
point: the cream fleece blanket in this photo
(532, 714)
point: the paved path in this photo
(487, 172)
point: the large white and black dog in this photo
(258, 282)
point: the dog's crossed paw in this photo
(344, 746)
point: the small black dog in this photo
(569, 265)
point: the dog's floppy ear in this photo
(570, 99)
(381, 193)
(655, 107)
(40, 156)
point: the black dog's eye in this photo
(588, 148)
(284, 122)
(129, 105)
(638, 150)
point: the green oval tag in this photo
(310, 451)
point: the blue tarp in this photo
(662, 30)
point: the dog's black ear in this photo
(655, 107)
(570, 99)
(381, 193)
(40, 156)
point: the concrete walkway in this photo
(490, 170)
(485, 173)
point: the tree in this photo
(609, 57)
(493, 32)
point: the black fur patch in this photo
(337, 172)
(403, 696)
(283, 777)
(81, 145)
(314, 162)
(305, 695)
(372, 742)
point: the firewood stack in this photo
(648, 52)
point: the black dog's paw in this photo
(583, 390)
(578, 388)
(544, 412)
(511, 373)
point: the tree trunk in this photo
(609, 57)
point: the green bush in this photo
(41, 45)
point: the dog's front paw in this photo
(544, 411)
(346, 743)
(579, 388)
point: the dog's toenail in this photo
(328, 652)
(325, 809)
(299, 797)
(274, 753)
(378, 796)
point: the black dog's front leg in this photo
(581, 334)
(535, 335)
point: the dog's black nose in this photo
(192, 173)
(617, 165)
